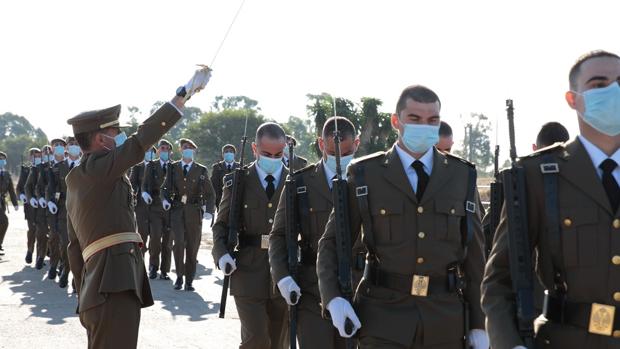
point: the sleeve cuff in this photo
(177, 108)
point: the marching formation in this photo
(393, 249)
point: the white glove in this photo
(34, 203)
(42, 203)
(147, 198)
(207, 216)
(478, 339)
(198, 81)
(340, 309)
(227, 259)
(166, 205)
(22, 198)
(286, 286)
(52, 207)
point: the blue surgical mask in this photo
(420, 138)
(59, 150)
(270, 165)
(229, 157)
(188, 154)
(164, 155)
(74, 150)
(46, 158)
(2, 163)
(37, 161)
(344, 162)
(148, 156)
(602, 109)
(119, 139)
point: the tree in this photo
(18, 135)
(476, 144)
(303, 131)
(234, 102)
(190, 115)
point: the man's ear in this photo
(570, 99)
(395, 122)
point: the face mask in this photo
(148, 156)
(188, 154)
(344, 162)
(229, 157)
(46, 158)
(74, 150)
(37, 161)
(119, 139)
(2, 163)
(270, 165)
(59, 150)
(602, 109)
(163, 155)
(420, 138)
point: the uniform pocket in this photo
(249, 208)
(319, 212)
(578, 229)
(448, 219)
(387, 222)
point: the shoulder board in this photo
(452, 156)
(368, 157)
(305, 169)
(546, 150)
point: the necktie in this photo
(610, 184)
(331, 184)
(163, 168)
(422, 179)
(72, 164)
(270, 187)
(185, 170)
(228, 168)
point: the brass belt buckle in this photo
(601, 319)
(264, 242)
(419, 286)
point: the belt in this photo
(415, 285)
(597, 318)
(261, 241)
(109, 241)
(307, 256)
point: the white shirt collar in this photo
(262, 174)
(189, 164)
(407, 160)
(598, 156)
(162, 162)
(329, 174)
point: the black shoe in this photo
(152, 272)
(60, 268)
(164, 276)
(179, 283)
(73, 289)
(28, 257)
(52, 273)
(189, 287)
(64, 280)
(39, 265)
(1, 249)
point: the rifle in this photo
(519, 245)
(234, 217)
(291, 228)
(343, 233)
(496, 198)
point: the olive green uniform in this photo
(136, 178)
(6, 187)
(29, 211)
(32, 191)
(218, 171)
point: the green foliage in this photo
(303, 131)
(18, 135)
(476, 144)
(234, 102)
(190, 116)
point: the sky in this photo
(59, 58)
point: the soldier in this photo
(160, 243)
(549, 134)
(298, 161)
(190, 195)
(136, 178)
(576, 238)
(103, 244)
(421, 216)
(445, 138)
(263, 313)
(34, 155)
(222, 168)
(56, 196)
(35, 192)
(313, 211)
(6, 187)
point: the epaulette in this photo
(452, 156)
(305, 169)
(546, 150)
(368, 157)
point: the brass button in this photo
(420, 209)
(311, 209)
(421, 235)
(617, 296)
(616, 260)
(270, 220)
(420, 260)
(617, 223)
(452, 211)
(245, 206)
(163, 123)
(382, 212)
(568, 222)
(270, 205)
(131, 250)
(616, 334)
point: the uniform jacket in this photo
(154, 176)
(218, 171)
(6, 186)
(196, 186)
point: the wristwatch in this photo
(181, 91)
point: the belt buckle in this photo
(419, 285)
(601, 319)
(57, 195)
(184, 199)
(264, 242)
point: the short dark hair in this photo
(418, 93)
(227, 147)
(550, 133)
(576, 68)
(444, 129)
(271, 130)
(345, 127)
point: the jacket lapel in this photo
(395, 174)
(439, 175)
(320, 181)
(255, 183)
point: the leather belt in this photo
(109, 241)
(596, 318)
(415, 285)
(261, 241)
